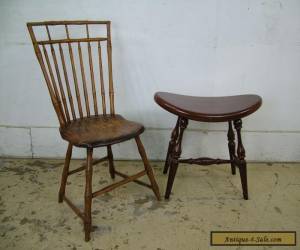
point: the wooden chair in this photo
(81, 122)
(207, 109)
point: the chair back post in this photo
(55, 102)
(109, 56)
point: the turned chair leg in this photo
(65, 173)
(111, 162)
(88, 194)
(241, 158)
(174, 136)
(147, 166)
(175, 155)
(231, 146)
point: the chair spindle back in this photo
(60, 59)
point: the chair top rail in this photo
(69, 22)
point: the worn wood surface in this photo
(100, 131)
(81, 122)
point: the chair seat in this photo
(209, 109)
(97, 131)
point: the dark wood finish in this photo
(241, 158)
(172, 142)
(207, 109)
(111, 162)
(231, 146)
(81, 122)
(175, 155)
(100, 130)
(204, 161)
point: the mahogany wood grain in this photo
(175, 155)
(209, 109)
(172, 142)
(231, 146)
(241, 154)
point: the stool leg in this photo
(64, 175)
(111, 162)
(147, 166)
(88, 194)
(231, 146)
(175, 155)
(172, 142)
(241, 158)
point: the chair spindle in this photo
(62, 93)
(101, 79)
(74, 74)
(86, 95)
(57, 96)
(67, 81)
(92, 72)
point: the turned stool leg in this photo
(65, 172)
(88, 194)
(172, 142)
(175, 155)
(241, 158)
(231, 146)
(111, 162)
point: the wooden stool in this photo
(85, 122)
(207, 109)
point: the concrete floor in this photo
(204, 199)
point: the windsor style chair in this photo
(207, 109)
(81, 122)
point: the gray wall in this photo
(194, 47)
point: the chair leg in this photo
(147, 166)
(111, 162)
(175, 155)
(174, 136)
(64, 175)
(241, 158)
(231, 146)
(88, 194)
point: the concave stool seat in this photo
(209, 109)
(100, 130)
(229, 109)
